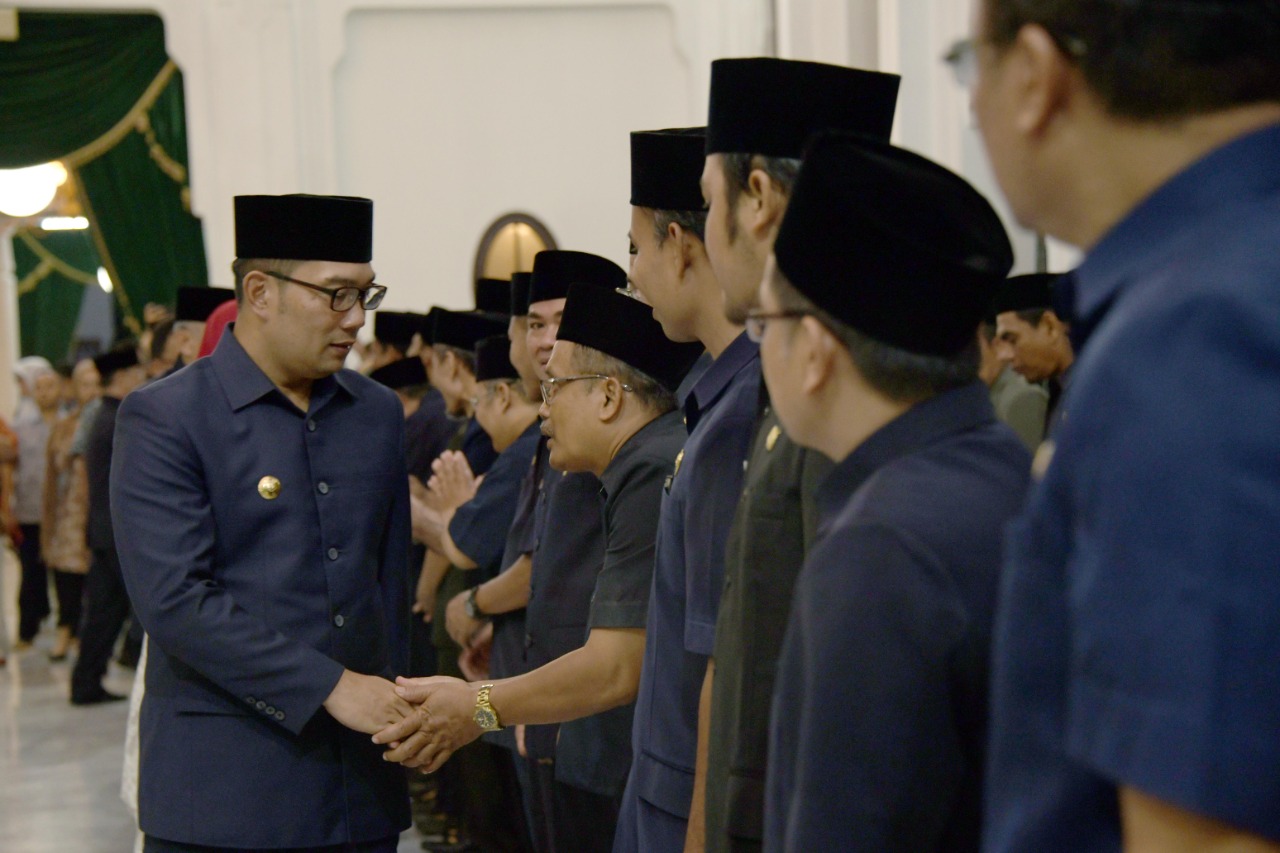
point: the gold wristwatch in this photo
(485, 716)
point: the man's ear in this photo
(816, 348)
(610, 406)
(678, 243)
(258, 295)
(1043, 78)
(1051, 325)
(502, 395)
(765, 203)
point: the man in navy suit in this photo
(261, 511)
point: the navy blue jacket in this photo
(255, 604)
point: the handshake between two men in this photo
(422, 721)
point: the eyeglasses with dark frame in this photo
(549, 386)
(758, 320)
(341, 298)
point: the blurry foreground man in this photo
(262, 515)
(879, 713)
(1135, 699)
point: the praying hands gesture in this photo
(441, 724)
(452, 484)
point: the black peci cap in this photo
(622, 327)
(520, 293)
(304, 227)
(464, 329)
(195, 304)
(493, 295)
(556, 269)
(1032, 292)
(493, 359)
(396, 328)
(405, 373)
(666, 168)
(119, 358)
(892, 244)
(772, 106)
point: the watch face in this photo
(486, 719)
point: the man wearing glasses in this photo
(262, 514)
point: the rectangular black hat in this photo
(195, 304)
(305, 227)
(623, 327)
(666, 168)
(405, 373)
(464, 329)
(1031, 292)
(772, 106)
(396, 328)
(116, 359)
(520, 293)
(493, 359)
(892, 244)
(493, 295)
(555, 270)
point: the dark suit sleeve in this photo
(868, 698)
(393, 563)
(165, 537)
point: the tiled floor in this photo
(60, 765)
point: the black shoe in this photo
(98, 698)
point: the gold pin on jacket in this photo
(269, 487)
(679, 459)
(772, 438)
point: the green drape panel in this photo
(98, 92)
(137, 196)
(53, 269)
(69, 78)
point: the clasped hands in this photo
(442, 722)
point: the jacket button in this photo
(250, 699)
(333, 553)
(261, 706)
(338, 620)
(271, 712)
(311, 426)
(280, 716)
(323, 488)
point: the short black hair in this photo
(691, 221)
(241, 267)
(900, 375)
(1154, 60)
(738, 168)
(466, 356)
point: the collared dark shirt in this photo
(427, 433)
(775, 521)
(880, 707)
(696, 513)
(1145, 565)
(257, 593)
(568, 553)
(479, 528)
(97, 467)
(594, 752)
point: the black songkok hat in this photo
(666, 167)
(464, 329)
(493, 295)
(520, 293)
(405, 373)
(305, 227)
(195, 304)
(428, 325)
(772, 106)
(1033, 292)
(396, 328)
(493, 359)
(892, 244)
(556, 269)
(119, 358)
(624, 328)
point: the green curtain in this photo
(99, 93)
(53, 270)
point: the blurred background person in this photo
(37, 412)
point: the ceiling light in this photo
(26, 192)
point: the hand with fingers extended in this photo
(442, 725)
(452, 482)
(366, 703)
